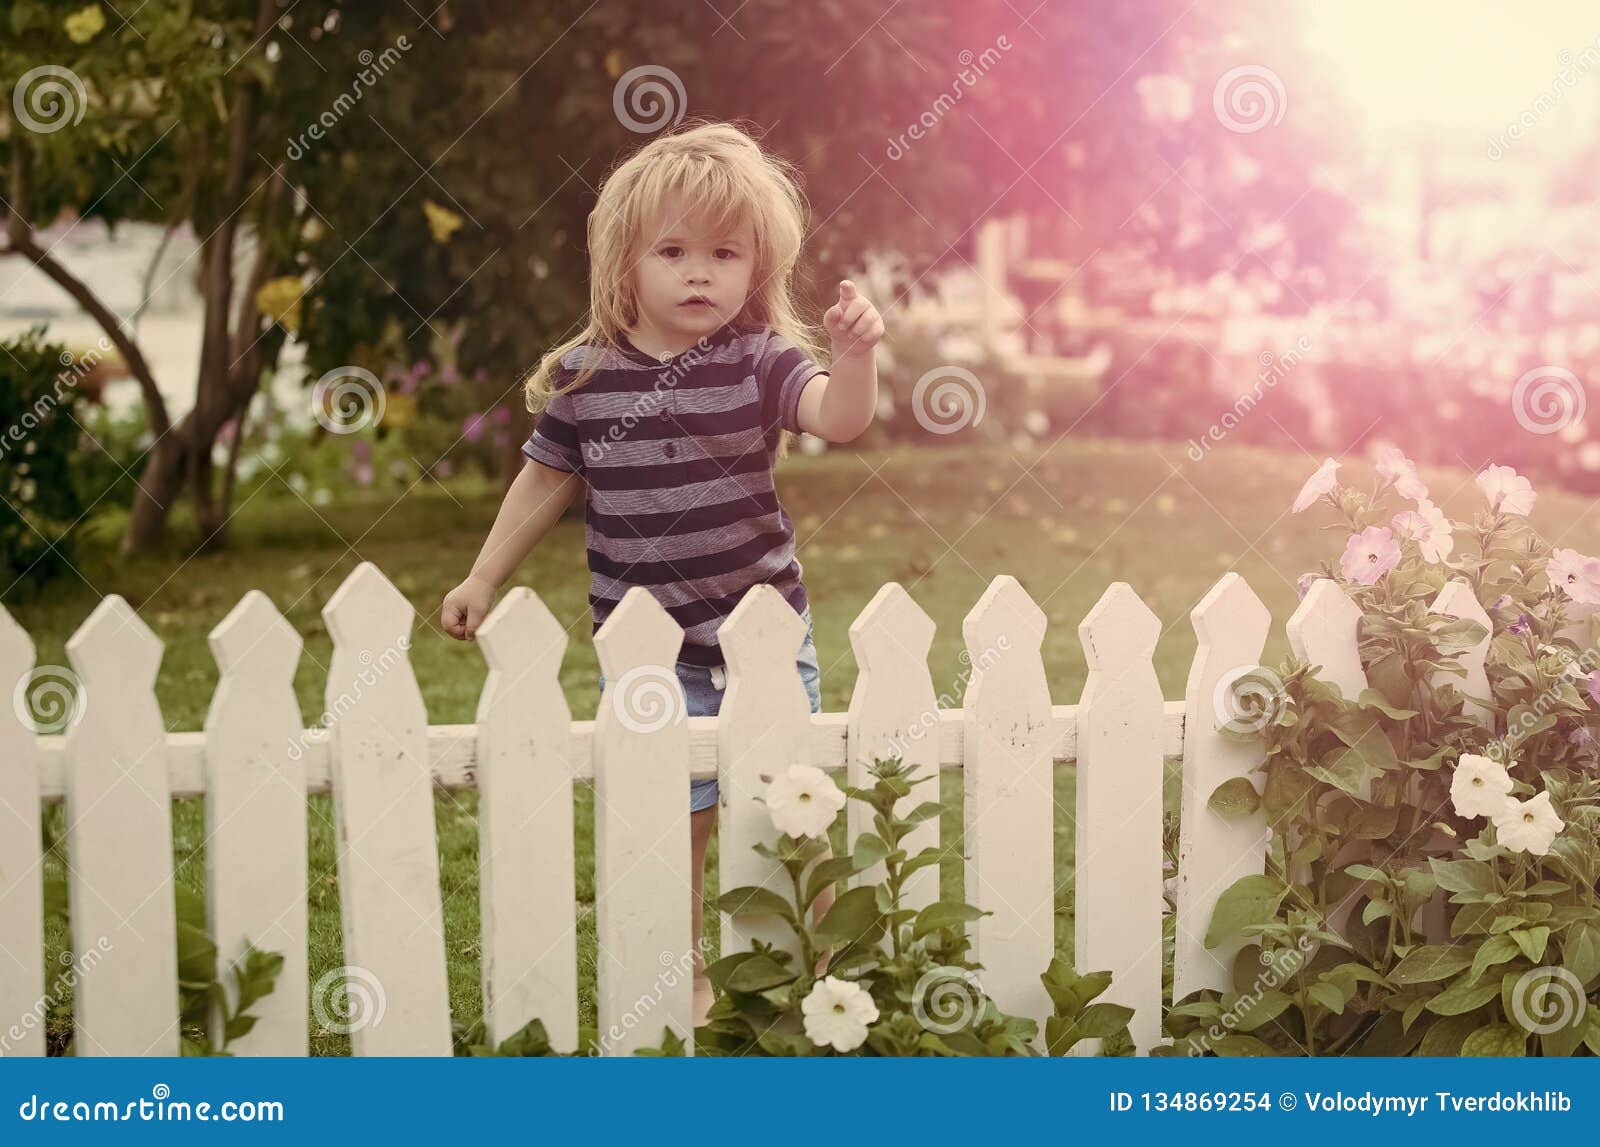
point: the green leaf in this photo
(1463, 875)
(1494, 950)
(944, 914)
(1497, 1040)
(1463, 996)
(1328, 995)
(1069, 990)
(757, 974)
(751, 900)
(1431, 962)
(1580, 951)
(1532, 941)
(853, 917)
(1235, 797)
(1249, 901)
(1372, 699)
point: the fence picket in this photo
(1117, 881)
(394, 991)
(641, 830)
(1008, 802)
(1230, 625)
(894, 712)
(22, 983)
(119, 841)
(1323, 631)
(525, 837)
(762, 729)
(256, 819)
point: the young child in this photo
(674, 403)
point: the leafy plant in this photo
(1431, 880)
(872, 976)
(250, 979)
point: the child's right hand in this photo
(465, 607)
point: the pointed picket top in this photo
(521, 630)
(1004, 618)
(17, 653)
(1459, 600)
(1323, 631)
(1231, 608)
(638, 632)
(763, 619)
(1120, 631)
(892, 628)
(368, 611)
(254, 633)
(115, 641)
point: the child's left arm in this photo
(839, 405)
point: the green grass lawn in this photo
(1066, 521)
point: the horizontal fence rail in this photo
(117, 770)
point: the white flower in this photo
(803, 801)
(1480, 787)
(1507, 490)
(1325, 479)
(1395, 467)
(1428, 526)
(837, 1013)
(1528, 826)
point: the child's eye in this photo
(670, 252)
(724, 253)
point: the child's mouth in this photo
(696, 303)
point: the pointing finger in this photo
(847, 291)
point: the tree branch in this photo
(20, 240)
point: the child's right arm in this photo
(532, 505)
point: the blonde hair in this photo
(728, 178)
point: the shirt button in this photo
(666, 416)
(672, 449)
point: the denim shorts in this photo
(703, 689)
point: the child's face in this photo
(692, 280)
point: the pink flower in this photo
(501, 415)
(1429, 528)
(472, 427)
(1369, 555)
(1507, 490)
(1577, 575)
(449, 376)
(1393, 466)
(1320, 483)
(361, 450)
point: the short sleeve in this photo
(554, 441)
(782, 371)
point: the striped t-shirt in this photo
(678, 455)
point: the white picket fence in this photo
(118, 768)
